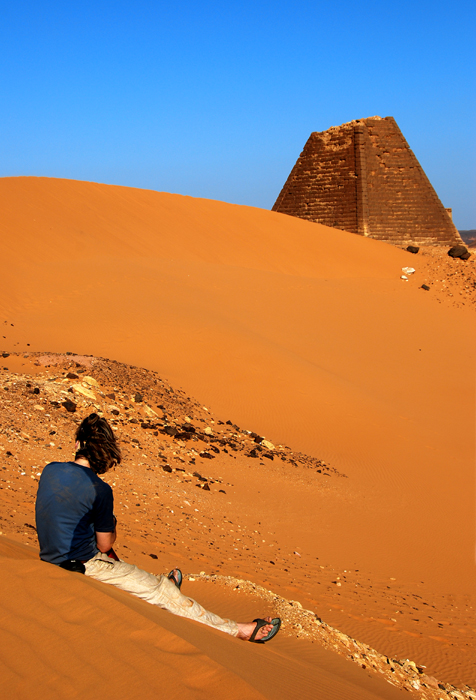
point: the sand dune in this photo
(85, 639)
(64, 636)
(303, 333)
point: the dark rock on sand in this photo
(458, 251)
(70, 406)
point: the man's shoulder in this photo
(81, 477)
(101, 487)
(57, 467)
(69, 473)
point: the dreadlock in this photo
(97, 444)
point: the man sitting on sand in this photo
(77, 529)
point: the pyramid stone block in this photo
(363, 177)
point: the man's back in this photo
(71, 505)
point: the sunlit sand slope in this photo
(65, 636)
(304, 333)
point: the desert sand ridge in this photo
(311, 341)
(402, 673)
(202, 672)
(150, 652)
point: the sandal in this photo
(176, 579)
(262, 623)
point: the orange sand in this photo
(64, 636)
(303, 333)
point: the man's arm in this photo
(105, 540)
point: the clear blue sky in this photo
(216, 99)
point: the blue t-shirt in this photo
(72, 504)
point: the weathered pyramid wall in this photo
(363, 177)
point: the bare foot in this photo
(246, 629)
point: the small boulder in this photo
(268, 444)
(413, 249)
(457, 251)
(70, 406)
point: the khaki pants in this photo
(157, 590)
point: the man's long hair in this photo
(97, 444)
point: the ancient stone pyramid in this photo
(362, 177)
